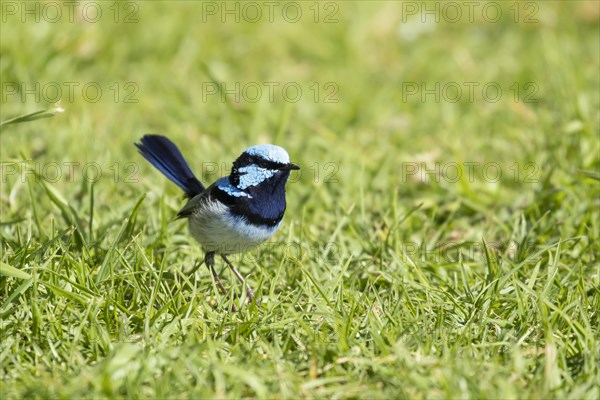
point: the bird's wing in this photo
(192, 203)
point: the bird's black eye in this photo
(259, 162)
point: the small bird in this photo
(237, 212)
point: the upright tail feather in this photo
(166, 157)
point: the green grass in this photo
(383, 281)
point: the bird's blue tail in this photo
(166, 157)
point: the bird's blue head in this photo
(255, 189)
(261, 164)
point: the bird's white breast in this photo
(213, 225)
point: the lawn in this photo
(440, 241)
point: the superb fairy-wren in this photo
(237, 212)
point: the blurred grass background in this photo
(367, 306)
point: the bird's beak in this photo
(289, 167)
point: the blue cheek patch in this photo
(253, 175)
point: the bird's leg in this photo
(249, 291)
(209, 260)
